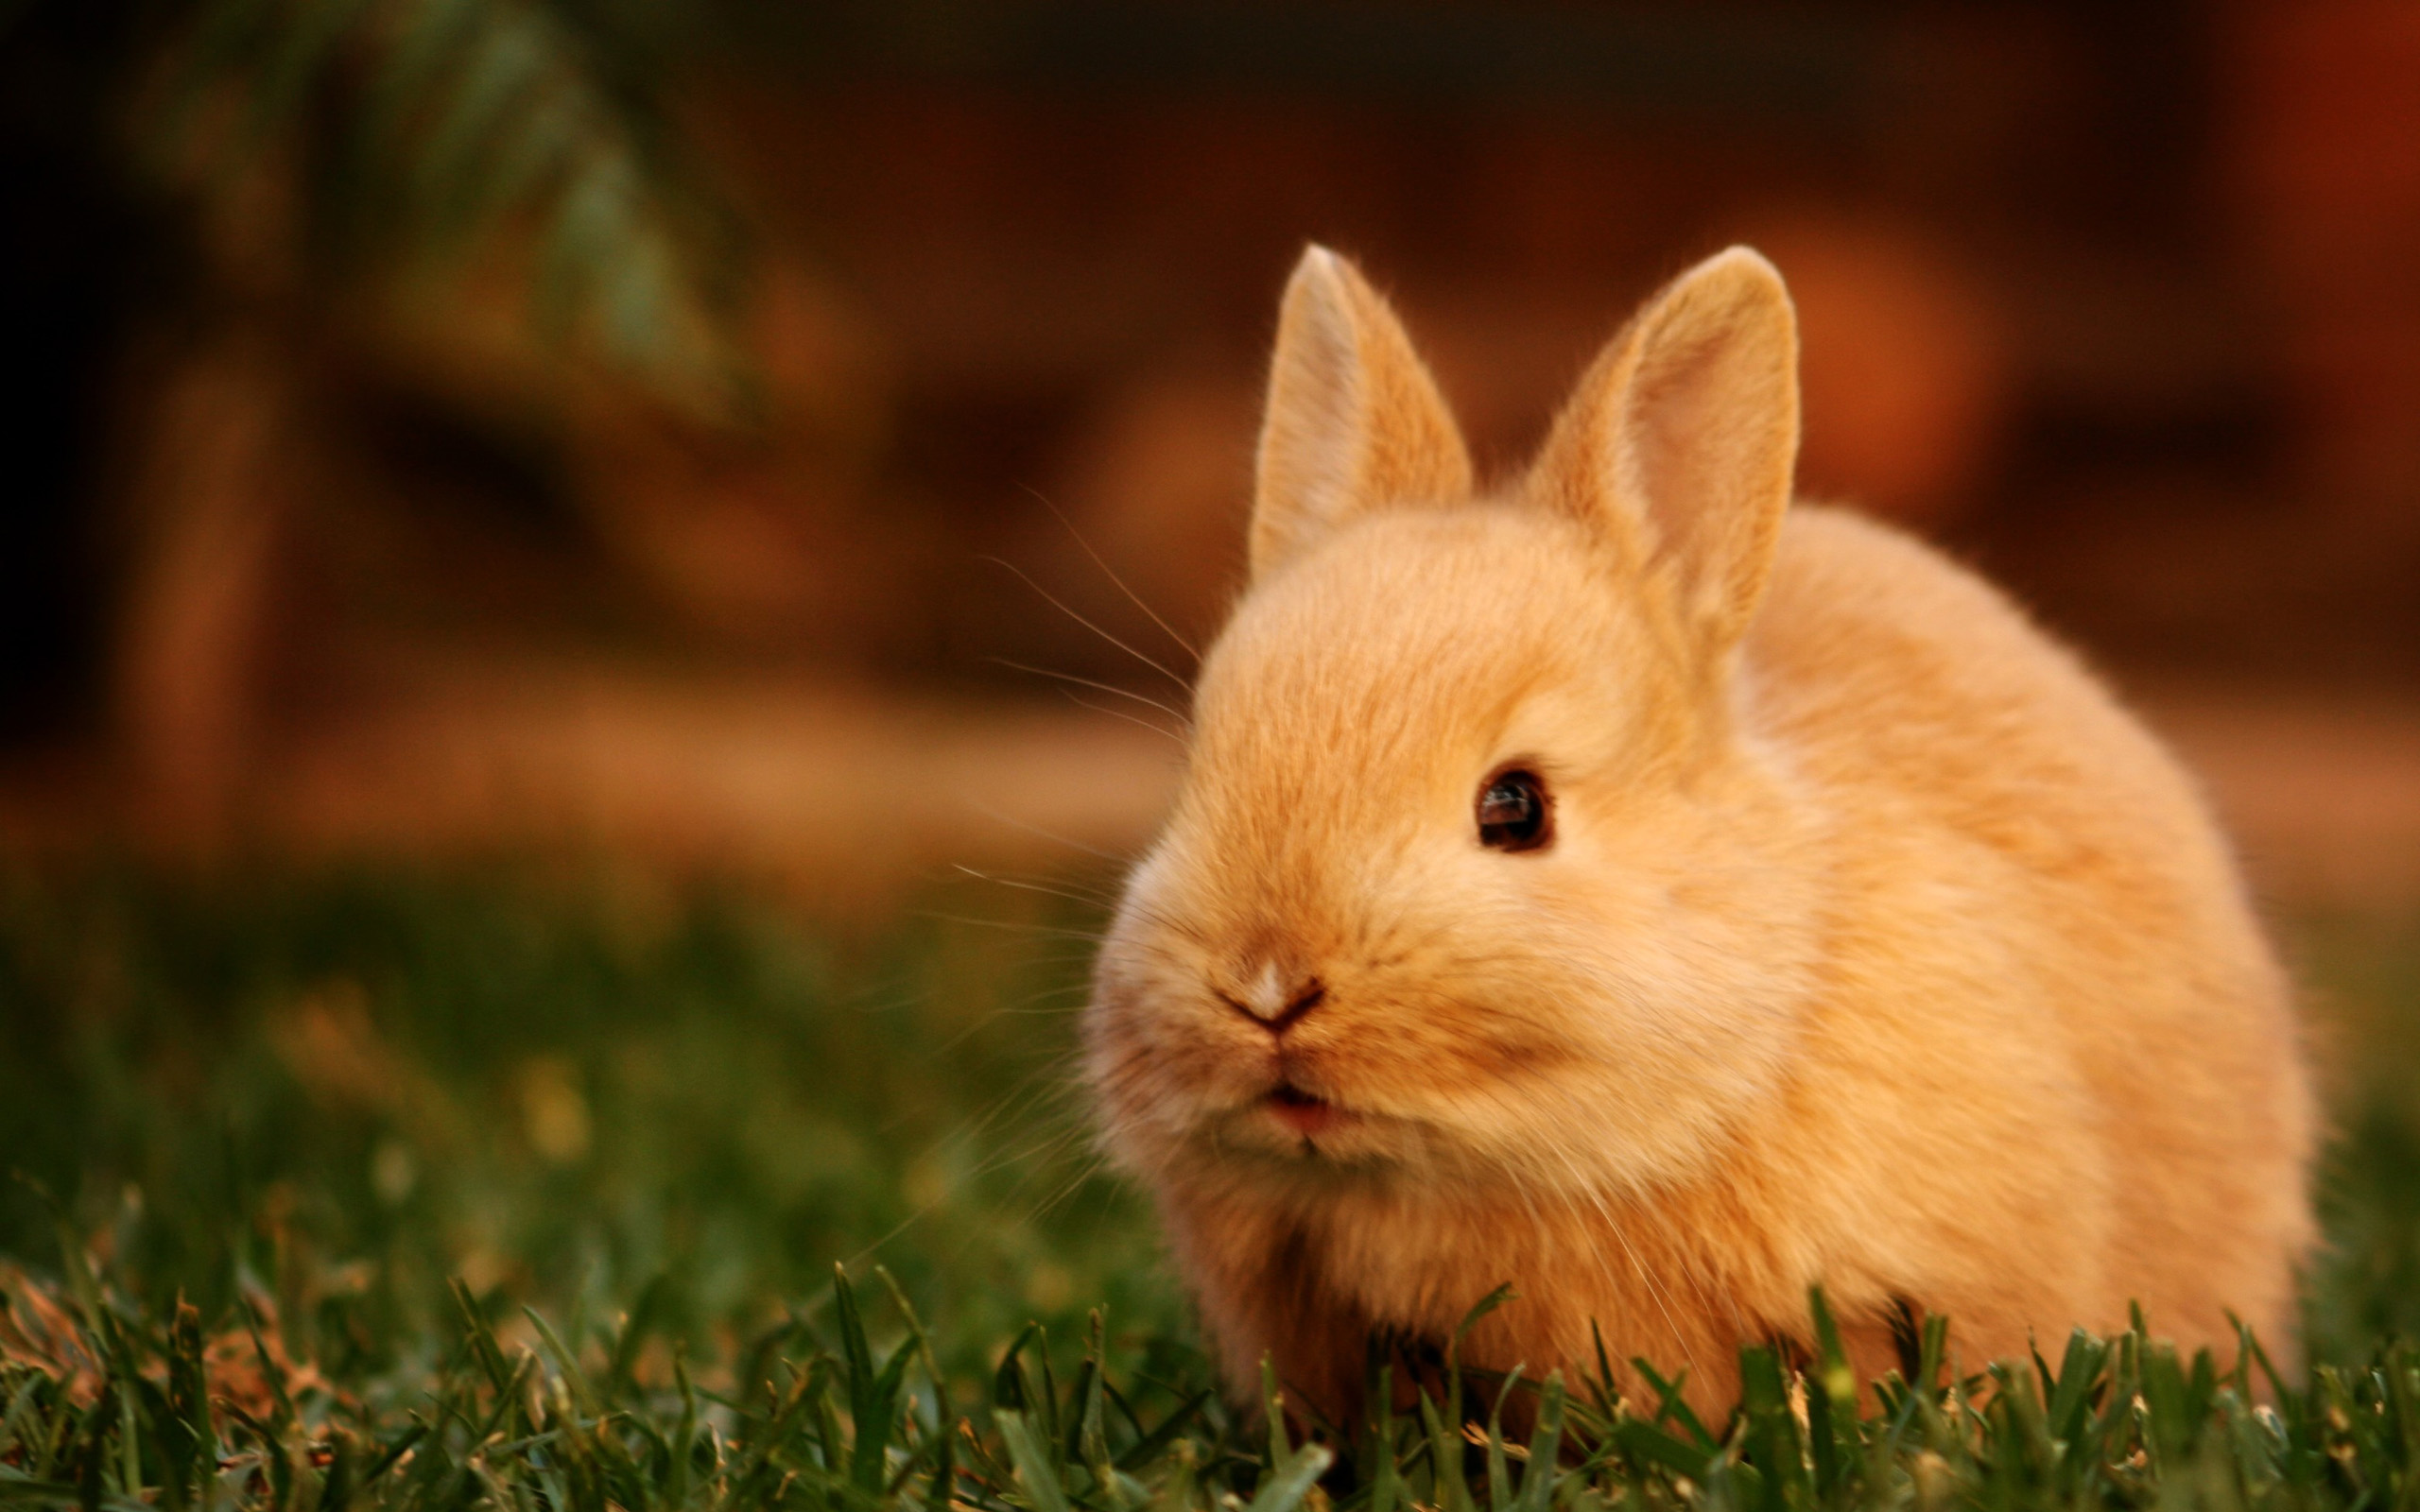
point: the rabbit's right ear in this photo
(1354, 422)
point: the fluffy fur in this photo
(1876, 945)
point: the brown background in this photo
(2121, 302)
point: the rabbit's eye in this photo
(1513, 812)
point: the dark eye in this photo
(1513, 812)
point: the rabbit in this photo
(1625, 885)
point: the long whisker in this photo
(1088, 899)
(1014, 823)
(1024, 1008)
(1048, 1144)
(1031, 1090)
(969, 1131)
(1071, 1186)
(1121, 714)
(898, 1228)
(1175, 714)
(1072, 959)
(1089, 625)
(1029, 1004)
(1110, 573)
(1014, 927)
(1654, 1289)
(1581, 1186)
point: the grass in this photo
(407, 1191)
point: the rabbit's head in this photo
(1478, 876)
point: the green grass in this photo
(400, 1190)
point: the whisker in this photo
(1092, 935)
(1067, 1189)
(1656, 1290)
(1088, 899)
(1121, 714)
(1111, 573)
(1089, 625)
(1072, 1131)
(901, 1228)
(908, 1000)
(1014, 823)
(1034, 1088)
(1171, 712)
(1047, 1141)
(1022, 1008)
(1059, 960)
(1025, 1003)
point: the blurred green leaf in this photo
(421, 132)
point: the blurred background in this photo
(625, 423)
(661, 440)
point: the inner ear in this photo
(1354, 422)
(1680, 441)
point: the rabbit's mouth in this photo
(1306, 1113)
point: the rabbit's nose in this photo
(1275, 998)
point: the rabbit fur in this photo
(1875, 945)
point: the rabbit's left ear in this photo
(1683, 438)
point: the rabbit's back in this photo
(2033, 902)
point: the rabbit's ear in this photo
(1682, 440)
(1354, 421)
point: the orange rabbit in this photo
(1625, 886)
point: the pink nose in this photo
(1277, 1001)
